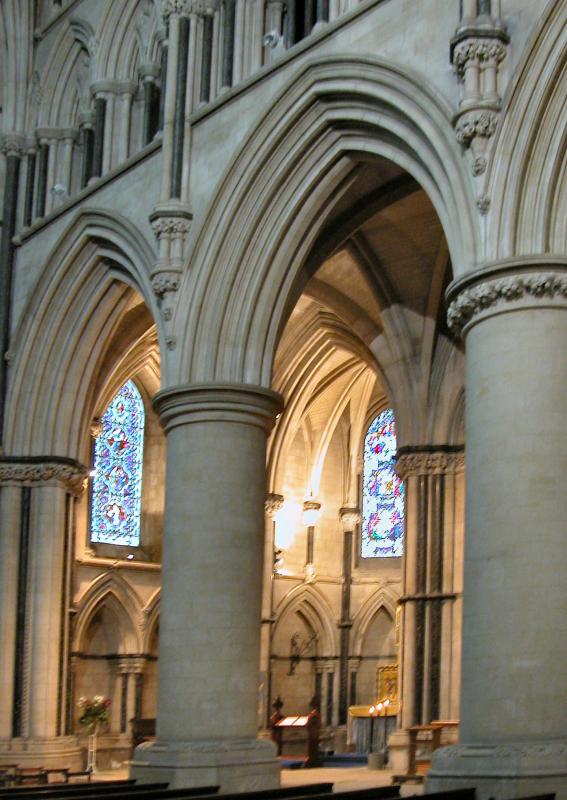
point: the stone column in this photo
(513, 316)
(311, 513)
(430, 605)
(12, 149)
(272, 505)
(86, 133)
(211, 590)
(10, 537)
(37, 497)
(350, 518)
(150, 75)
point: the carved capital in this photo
(475, 123)
(350, 518)
(438, 462)
(165, 282)
(481, 51)
(505, 293)
(272, 504)
(71, 475)
(13, 145)
(170, 225)
(186, 8)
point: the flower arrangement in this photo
(95, 711)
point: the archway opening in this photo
(365, 339)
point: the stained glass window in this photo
(382, 491)
(117, 480)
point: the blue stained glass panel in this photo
(382, 491)
(117, 482)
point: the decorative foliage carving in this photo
(13, 145)
(436, 463)
(477, 51)
(165, 225)
(185, 8)
(473, 301)
(165, 282)
(72, 477)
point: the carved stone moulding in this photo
(506, 286)
(35, 470)
(13, 145)
(273, 503)
(435, 462)
(165, 282)
(170, 224)
(350, 518)
(186, 8)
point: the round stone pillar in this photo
(513, 729)
(211, 590)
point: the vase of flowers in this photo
(95, 714)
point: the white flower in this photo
(82, 701)
(98, 698)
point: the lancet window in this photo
(117, 471)
(382, 491)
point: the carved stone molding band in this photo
(185, 8)
(432, 463)
(272, 504)
(164, 225)
(492, 295)
(72, 477)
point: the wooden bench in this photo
(86, 790)
(45, 790)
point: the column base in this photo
(502, 771)
(398, 750)
(236, 765)
(51, 753)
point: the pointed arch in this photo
(113, 591)
(151, 613)
(122, 43)
(78, 300)
(59, 95)
(382, 598)
(308, 601)
(275, 198)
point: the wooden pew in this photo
(49, 788)
(306, 792)
(64, 790)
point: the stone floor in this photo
(344, 778)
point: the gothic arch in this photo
(273, 202)
(59, 98)
(313, 606)
(527, 176)
(321, 334)
(122, 41)
(75, 305)
(112, 590)
(151, 614)
(381, 598)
